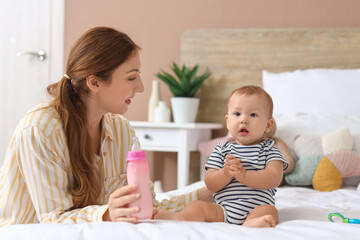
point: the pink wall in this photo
(157, 26)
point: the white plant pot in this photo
(184, 109)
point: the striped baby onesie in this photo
(237, 199)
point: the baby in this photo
(243, 170)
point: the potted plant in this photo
(184, 85)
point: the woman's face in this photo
(116, 94)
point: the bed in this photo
(303, 215)
(269, 58)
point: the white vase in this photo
(162, 113)
(154, 100)
(184, 109)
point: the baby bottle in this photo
(138, 173)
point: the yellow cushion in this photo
(326, 177)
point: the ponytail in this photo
(85, 185)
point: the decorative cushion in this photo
(341, 139)
(289, 126)
(326, 171)
(346, 161)
(303, 171)
(327, 177)
(313, 145)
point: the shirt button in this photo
(104, 154)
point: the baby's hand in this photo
(240, 173)
(231, 166)
(236, 168)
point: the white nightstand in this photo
(174, 137)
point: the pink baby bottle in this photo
(138, 173)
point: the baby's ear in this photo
(270, 128)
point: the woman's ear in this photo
(92, 83)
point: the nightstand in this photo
(174, 137)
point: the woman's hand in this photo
(118, 200)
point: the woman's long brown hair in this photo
(97, 52)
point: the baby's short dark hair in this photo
(255, 90)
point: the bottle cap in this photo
(136, 155)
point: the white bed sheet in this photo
(303, 215)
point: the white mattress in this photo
(303, 215)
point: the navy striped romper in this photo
(237, 199)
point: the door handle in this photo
(40, 55)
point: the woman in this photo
(67, 158)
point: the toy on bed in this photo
(325, 162)
(337, 217)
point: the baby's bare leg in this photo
(262, 216)
(196, 211)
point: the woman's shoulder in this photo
(43, 116)
(114, 122)
(116, 118)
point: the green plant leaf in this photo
(192, 73)
(175, 68)
(176, 91)
(171, 82)
(196, 84)
(185, 81)
(168, 79)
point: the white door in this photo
(31, 57)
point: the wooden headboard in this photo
(236, 57)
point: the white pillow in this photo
(293, 124)
(314, 91)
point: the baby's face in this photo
(248, 118)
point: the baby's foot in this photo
(164, 214)
(263, 221)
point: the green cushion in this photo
(304, 170)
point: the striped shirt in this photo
(236, 198)
(35, 176)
